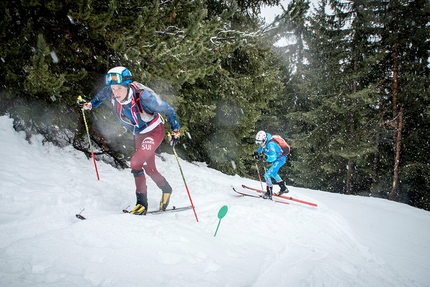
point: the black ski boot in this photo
(284, 189)
(269, 192)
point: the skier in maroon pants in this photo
(138, 108)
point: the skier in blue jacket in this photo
(138, 108)
(277, 159)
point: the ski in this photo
(173, 209)
(257, 196)
(282, 196)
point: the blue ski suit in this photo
(274, 155)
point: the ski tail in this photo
(297, 200)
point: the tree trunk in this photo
(395, 191)
(351, 163)
(398, 124)
(375, 164)
(350, 167)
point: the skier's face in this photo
(119, 92)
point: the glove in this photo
(82, 104)
(88, 106)
(256, 155)
(174, 138)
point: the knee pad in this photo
(137, 173)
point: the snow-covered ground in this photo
(345, 241)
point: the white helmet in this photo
(260, 138)
(118, 76)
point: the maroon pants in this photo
(144, 158)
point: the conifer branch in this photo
(172, 31)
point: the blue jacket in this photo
(272, 150)
(129, 114)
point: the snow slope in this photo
(345, 241)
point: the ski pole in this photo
(265, 171)
(186, 187)
(259, 176)
(89, 140)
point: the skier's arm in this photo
(260, 149)
(101, 96)
(153, 104)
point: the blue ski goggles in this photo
(117, 79)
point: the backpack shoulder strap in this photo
(136, 96)
(273, 139)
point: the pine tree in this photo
(404, 35)
(336, 121)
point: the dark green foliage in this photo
(54, 51)
(225, 107)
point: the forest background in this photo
(348, 89)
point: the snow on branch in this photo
(230, 36)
